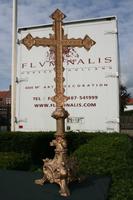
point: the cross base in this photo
(60, 169)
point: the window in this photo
(8, 100)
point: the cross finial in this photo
(57, 15)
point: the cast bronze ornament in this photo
(59, 169)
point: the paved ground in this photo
(19, 185)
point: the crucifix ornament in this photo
(60, 169)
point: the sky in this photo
(36, 12)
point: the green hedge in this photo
(23, 142)
(15, 161)
(111, 155)
(97, 154)
(38, 144)
(34, 144)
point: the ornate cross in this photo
(58, 170)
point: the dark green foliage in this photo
(122, 189)
(75, 140)
(34, 144)
(15, 161)
(124, 97)
(41, 149)
(111, 155)
(97, 153)
(22, 142)
(38, 144)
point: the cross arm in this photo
(29, 41)
(87, 42)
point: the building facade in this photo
(5, 109)
(129, 106)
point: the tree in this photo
(124, 97)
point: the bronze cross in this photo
(60, 169)
(58, 41)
